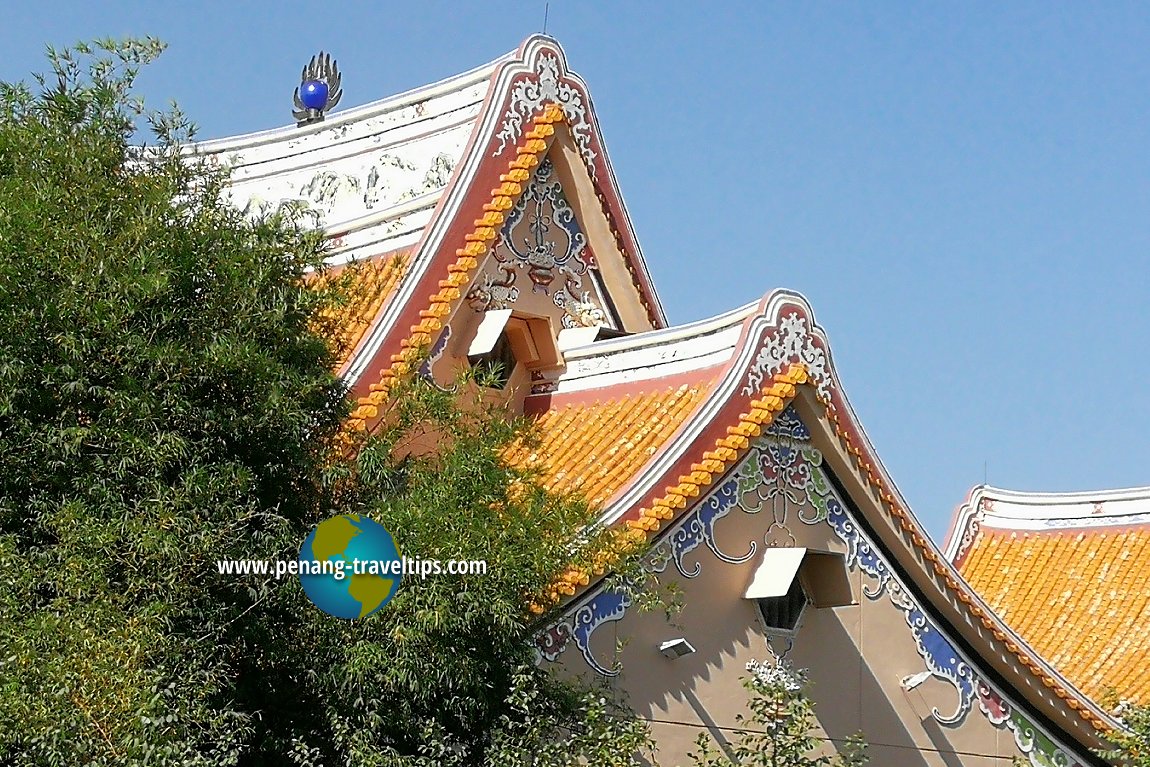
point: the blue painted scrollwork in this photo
(699, 528)
(943, 661)
(784, 471)
(607, 606)
(859, 552)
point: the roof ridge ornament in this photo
(540, 80)
(319, 90)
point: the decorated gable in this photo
(777, 567)
(542, 285)
(541, 262)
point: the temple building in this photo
(486, 212)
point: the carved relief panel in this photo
(541, 262)
(910, 686)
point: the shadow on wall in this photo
(702, 692)
(854, 684)
(847, 695)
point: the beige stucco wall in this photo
(855, 657)
(504, 280)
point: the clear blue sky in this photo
(961, 190)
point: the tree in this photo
(454, 656)
(167, 401)
(778, 730)
(1131, 746)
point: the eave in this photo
(510, 139)
(784, 357)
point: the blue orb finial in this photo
(318, 91)
(313, 94)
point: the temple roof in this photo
(374, 173)
(620, 405)
(1068, 573)
(432, 172)
(418, 186)
(595, 448)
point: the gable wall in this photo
(541, 264)
(856, 655)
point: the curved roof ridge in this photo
(661, 336)
(529, 95)
(354, 114)
(1041, 498)
(1037, 511)
(669, 353)
(739, 377)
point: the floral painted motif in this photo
(783, 471)
(860, 552)
(436, 353)
(550, 643)
(1039, 749)
(547, 83)
(548, 214)
(942, 661)
(552, 254)
(781, 459)
(389, 180)
(700, 529)
(584, 313)
(788, 424)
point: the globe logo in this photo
(349, 566)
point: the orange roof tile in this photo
(1080, 598)
(774, 396)
(594, 448)
(531, 149)
(369, 284)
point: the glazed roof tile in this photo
(594, 448)
(711, 463)
(1071, 580)
(370, 284)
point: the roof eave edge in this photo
(455, 195)
(447, 209)
(958, 607)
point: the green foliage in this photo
(450, 662)
(162, 405)
(1132, 746)
(778, 731)
(165, 403)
